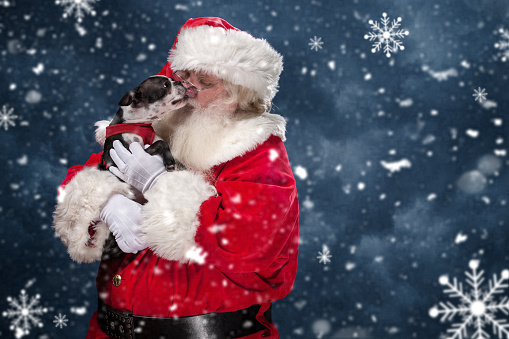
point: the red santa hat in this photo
(214, 46)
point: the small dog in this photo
(153, 98)
(139, 107)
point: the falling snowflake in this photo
(386, 35)
(325, 255)
(79, 7)
(503, 45)
(6, 117)
(316, 43)
(6, 3)
(60, 321)
(24, 313)
(479, 94)
(476, 308)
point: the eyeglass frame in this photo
(191, 85)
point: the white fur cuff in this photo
(79, 204)
(100, 131)
(170, 217)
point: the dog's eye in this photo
(167, 84)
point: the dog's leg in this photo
(108, 145)
(161, 147)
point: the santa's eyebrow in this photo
(206, 78)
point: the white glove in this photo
(137, 168)
(123, 217)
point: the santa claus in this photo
(208, 248)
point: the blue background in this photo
(391, 235)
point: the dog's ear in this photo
(127, 99)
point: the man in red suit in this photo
(205, 250)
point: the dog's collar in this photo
(145, 131)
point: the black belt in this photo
(227, 325)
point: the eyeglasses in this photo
(192, 90)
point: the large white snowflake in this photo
(79, 7)
(477, 308)
(503, 45)
(7, 118)
(386, 35)
(24, 313)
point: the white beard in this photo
(195, 133)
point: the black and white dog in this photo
(154, 97)
(139, 107)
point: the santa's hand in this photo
(123, 217)
(137, 167)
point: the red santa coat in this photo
(218, 240)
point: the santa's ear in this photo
(127, 99)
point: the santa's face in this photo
(207, 87)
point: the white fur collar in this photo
(231, 140)
(245, 135)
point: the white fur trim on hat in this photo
(170, 217)
(79, 204)
(232, 55)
